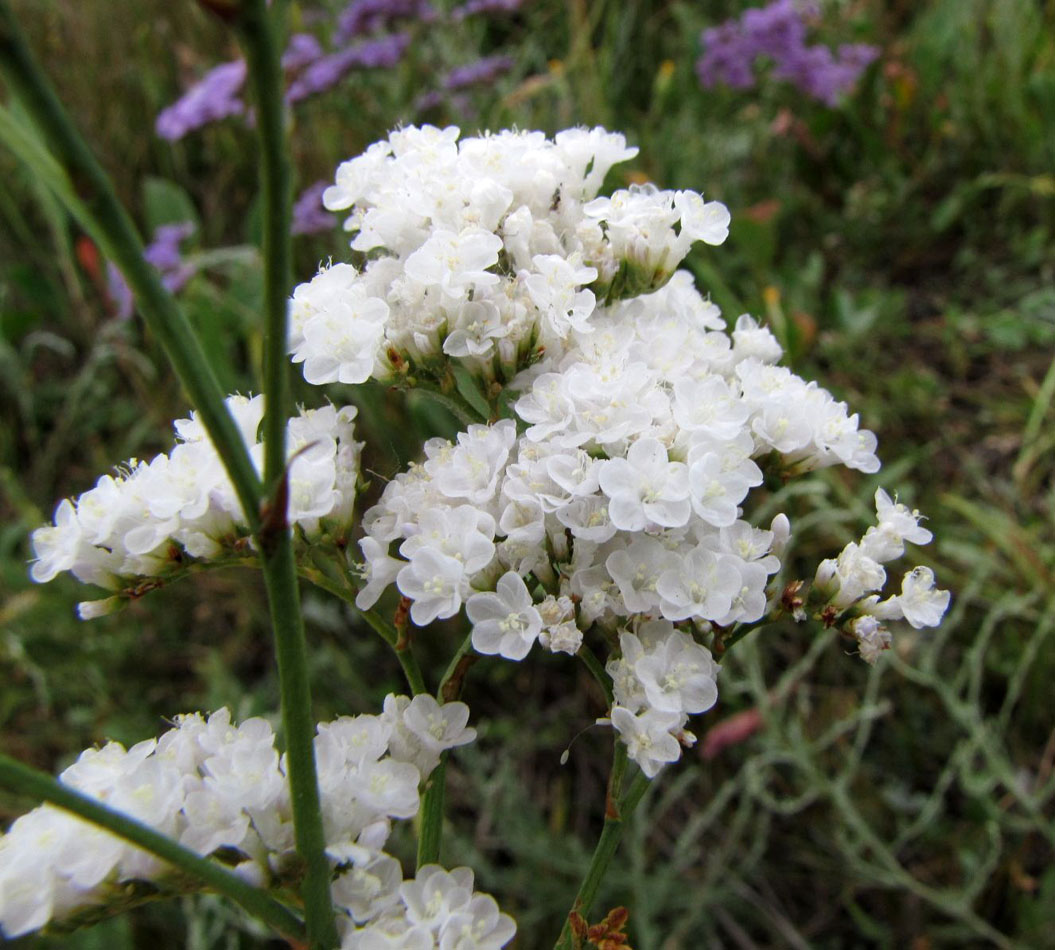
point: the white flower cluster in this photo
(437, 909)
(490, 251)
(852, 581)
(220, 788)
(147, 519)
(620, 499)
(662, 677)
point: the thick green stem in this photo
(432, 803)
(617, 811)
(299, 728)
(262, 33)
(24, 780)
(99, 212)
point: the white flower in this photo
(677, 675)
(435, 895)
(648, 737)
(425, 729)
(872, 639)
(379, 570)
(645, 488)
(706, 221)
(480, 926)
(702, 584)
(456, 263)
(555, 288)
(370, 887)
(715, 490)
(922, 604)
(637, 569)
(337, 327)
(896, 525)
(436, 582)
(564, 637)
(506, 621)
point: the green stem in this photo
(451, 683)
(299, 728)
(742, 630)
(433, 799)
(262, 32)
(616, 815)
(398, 639)
(27, 781)
(589, 658)
(432, 803)
(97, 209)
(455, 405)
(407, 660)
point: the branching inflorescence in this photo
(617, 438)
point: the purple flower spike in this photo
(473, 7)
(164, 254)
(382, 53)
(481, 71)
(120, 293)
(309, 216)
(778, 33)
(303, 50)
(363, 17)
(215, 97)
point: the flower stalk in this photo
(617, 811)
(97, 209)
(27, 781)
(260, 32)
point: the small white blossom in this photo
(506, 621)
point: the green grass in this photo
(901, 245)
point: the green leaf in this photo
(165, 202)
(470, 393)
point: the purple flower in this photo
(120, 293)
(303, 50)
(214, 97)
(480, 71)
(472, 7)
(382, 53)
(778, 32)
(363, 17)
(309, 216)
(429, 100)
(164, 254)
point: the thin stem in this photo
(25, 780)
(616, 815)
(432, 802)
(299, 728)
(432, 814)
(589, 658)
(456, 405)
(451, 683)
(99, 212)
(407, 660)
(742, 630)
(261, 32)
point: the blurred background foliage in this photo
(900, 243)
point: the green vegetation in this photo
(900, 244)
